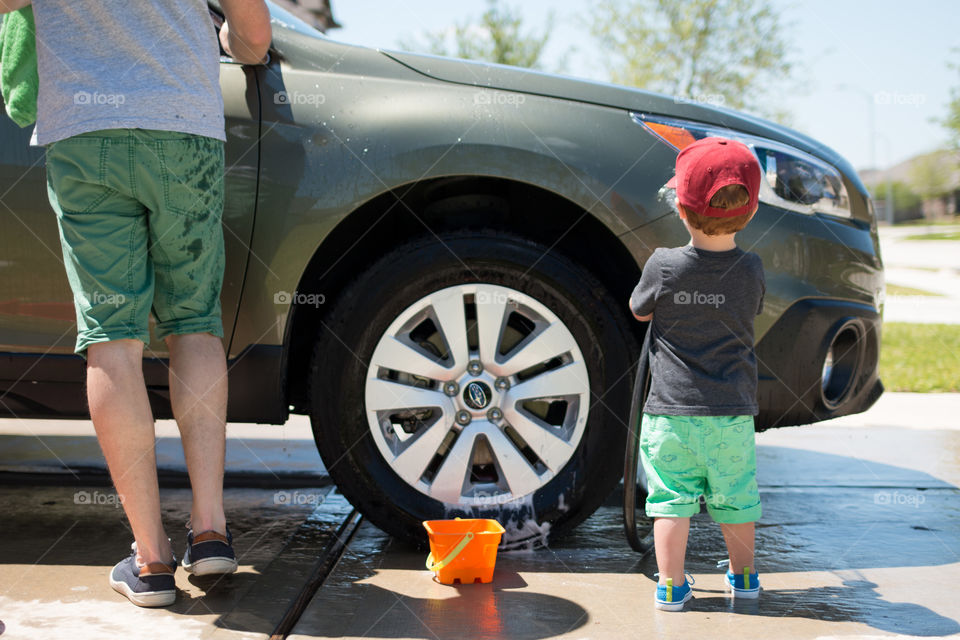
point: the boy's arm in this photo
(645, 295)
(6, 6)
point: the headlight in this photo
(793, 179)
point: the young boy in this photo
(697, 431)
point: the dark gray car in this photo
(432, 258)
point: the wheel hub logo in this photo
(477, 395)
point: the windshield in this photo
(283, 18)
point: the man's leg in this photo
(198, 393)
(123, 421)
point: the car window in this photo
(283, 18)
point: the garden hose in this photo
(641, 544)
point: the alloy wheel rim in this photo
(477, 395)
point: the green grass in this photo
(948, 235)
(929, 223)
(920, 357)
(900, 290)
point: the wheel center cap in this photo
(477, 395)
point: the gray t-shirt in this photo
(702, 361)
(115, 64)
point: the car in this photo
(431, 258)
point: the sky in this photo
(854, 58)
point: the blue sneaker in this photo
(209, 553)
(744, 585)
(671, 598)
(151, 586)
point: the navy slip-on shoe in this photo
(151, 586)
(209, 553)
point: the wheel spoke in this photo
(518, 475)
(568, 380)
(552, 449)
(383, 395)
(399, 356)
(448, 308)
(553, 341)
(491, 314)
(447, 485)
(412, 461)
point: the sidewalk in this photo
(928, 265)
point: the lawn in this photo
(920, 357)
(945, 235)
(901, 290)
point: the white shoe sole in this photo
(672, 606)
(211, 566)
(743, 594)
(147, 598)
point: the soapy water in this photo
(522, 530)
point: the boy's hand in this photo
(646, 318)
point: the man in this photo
(131, 114)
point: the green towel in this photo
(18, 66)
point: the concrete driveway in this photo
(860, 537)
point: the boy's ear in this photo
(681, 211)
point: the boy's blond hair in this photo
(728, 197)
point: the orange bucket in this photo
(464, 550)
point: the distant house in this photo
(924, 186)
(315, 12)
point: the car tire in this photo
(376, 300)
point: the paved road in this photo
(929, 265)
(860, 537)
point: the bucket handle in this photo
(450, 556)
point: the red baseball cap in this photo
(708, 165)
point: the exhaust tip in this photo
(842, 364)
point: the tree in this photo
(717, 51)
(931, 176)
(498, 37)
(952, 121)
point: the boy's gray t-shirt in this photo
(702, 361)
(112, 64)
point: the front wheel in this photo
(473, 376)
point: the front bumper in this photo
(791, 355)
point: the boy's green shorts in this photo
(140, 224)
(685, 457)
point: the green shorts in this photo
(140, 224)
(686, 457)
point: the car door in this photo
(36, 305)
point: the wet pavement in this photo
(860, 537)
